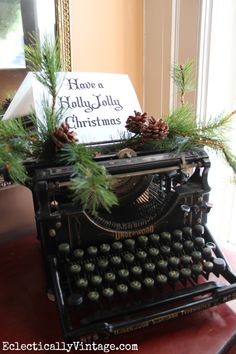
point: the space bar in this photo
(182, 294)
(160, 316)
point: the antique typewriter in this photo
(150, 260)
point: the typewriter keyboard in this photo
(156, 262)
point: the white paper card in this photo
(96, 105)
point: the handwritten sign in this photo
(96, 105)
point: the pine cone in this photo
(62, 135)
(6, 103)
(134, 123)
(154, 129)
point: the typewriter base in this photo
(143, 313)
(30, 317)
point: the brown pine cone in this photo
(154, 129)
(63, 135)
(134, 123)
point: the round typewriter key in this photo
(135, 285)
(141, 255)
(64, 248)
(78, 253)
(177, 235)
(142, 240)
(108, 292)
(115, 261)
(149, 267)
(105, 248)
(162, 265)
(82, 283)
(148, 282)
(173, 275)
(128, 258)
(165, 237)
(185, 273)
(117, 246)
(197, 268)
(153, 252)
(198, 229)
(196, 256)
(122, 288)
(219, 265)
(154, 239)
(123, 274)
(93, 296)
(208, 266)
(165, 250)
(130, 243)
(187, 231)
(89, 267)
(103, 263)
(92, 251)
(110, 277)
(188, 245)
(136, 270)
(96, 280)
(174, 262)
(161, 279)
(199, 242)
(185, 259)
(75, 268)
(177, 247)
(207, 253)
(211, 245)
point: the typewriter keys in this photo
(64, 249)
(82, 283)
(161, 279)
(149, 267)
(78, 253)
(154, 239)
(122, 288)
(105, 248)
(110, 277)
(187, 231)
(108, 292)
(89, 267)
(123, 274)
(96, 280)
(92, 251)
(93, 296)
(148, 282)
(141, 256)
(130, 243)
(177, 235)
(165, 237)
(135, 285)
(75, 268)
(117, 246)
(103, 263)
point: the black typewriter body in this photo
(150, 260)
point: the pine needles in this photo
(91, 185)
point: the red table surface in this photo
(27, 316)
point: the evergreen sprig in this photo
(91, 184)
(183, 79)
(44, 60)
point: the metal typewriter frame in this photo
(192, 299)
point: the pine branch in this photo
(44, 60)
(183, 79)
(91, 184)
(182, 121)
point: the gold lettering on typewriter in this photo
(160, 319)
(125, 234)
